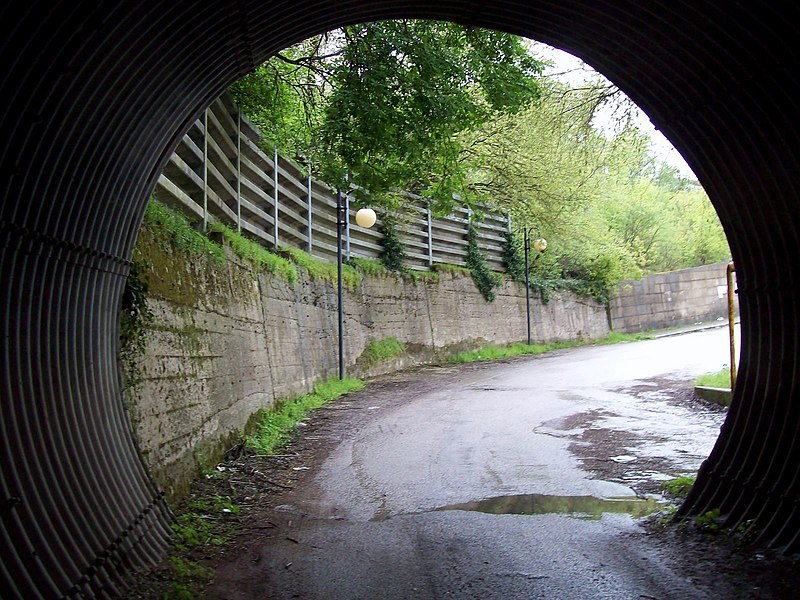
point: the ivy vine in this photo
(482, 275)
(393, 254)
(134, 317)
(513, 258)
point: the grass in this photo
(720, 379)
(185, 575)
(275, 427)
(178, 228)
(496, 353)
(324, 270)
(255, 253)
(452, 269)
(417, 277)
(369, 266)
(680, 486)
(380, 350)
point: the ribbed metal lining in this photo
(96, 96)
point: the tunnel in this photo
(95, 98)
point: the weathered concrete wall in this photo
(667, 299)
(225, 342)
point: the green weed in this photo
(369, 266)
(185, 574)
(452, 269)
(680, 486)
(417, 277)
(720, 379)
(320, 269)
(496, 353)
(709, 520)
(380, 350)
(275, 427)
(255, 253)
(180, 231)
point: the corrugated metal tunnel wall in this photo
(95, 97)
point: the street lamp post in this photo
(365, 217)
(539, 244)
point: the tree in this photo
(390, 102)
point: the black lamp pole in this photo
(526, 242)
(341, 223)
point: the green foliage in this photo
(680, 486)
(418, 277)
(615, 337)
(452, 269)
(485, 280)
(178, 228)
(385, 102)
(496, 353)
(256, 254)
(320, 269)
(513, 257)
(185, 574)
(393, 253)
(610, 211)
(135, 315)
(369, 266)
(275, 427)
(709, 521)
(192, 530)
(380, 350)
(720, 379)
(282, 98)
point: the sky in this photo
(573, 70)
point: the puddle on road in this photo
(581, 507)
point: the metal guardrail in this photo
(219, 173)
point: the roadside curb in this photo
(715, 325)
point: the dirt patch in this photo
(725, 560)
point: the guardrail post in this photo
(239, 170)
(430, 237)
(308, 212)
(275, 195)
(205, 170)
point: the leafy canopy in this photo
(382, 105)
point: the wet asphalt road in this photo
(394, 508)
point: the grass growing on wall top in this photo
(320, 269)
(180, 231)
(275, 427)
(255, 253)
(369, 266)
(452, 269)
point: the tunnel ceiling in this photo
(95, 97)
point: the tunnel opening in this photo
(223, 178)
(79, 512)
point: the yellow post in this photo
(731, 312)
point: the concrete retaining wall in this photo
(225, 342)
(669, 299)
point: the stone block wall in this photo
(671, 299)
(225, 342)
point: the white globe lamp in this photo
(366, 217)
